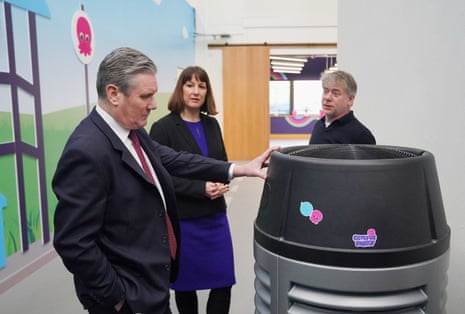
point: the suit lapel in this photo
(186, 134)
(115, 141)
(210, 135)
(162, 175)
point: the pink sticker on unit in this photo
(316, 216)
(307, 210)
(365, 240)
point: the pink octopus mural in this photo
(84, 36)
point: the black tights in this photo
(218, 302)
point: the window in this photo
(301, 97)
(307, 97)
(280, 100)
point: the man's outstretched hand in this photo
(255, 167)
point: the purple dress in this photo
(206, 259)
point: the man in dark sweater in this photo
(339, 125)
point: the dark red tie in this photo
(145, 166)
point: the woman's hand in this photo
(214, 190)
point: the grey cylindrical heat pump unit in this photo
(351, 229)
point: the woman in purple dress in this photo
(206, 252)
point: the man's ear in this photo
(351, 100)
(113, 94)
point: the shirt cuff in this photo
(231, 172)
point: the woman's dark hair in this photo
(176, 103)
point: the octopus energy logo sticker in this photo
(365, 240)
(314, 215)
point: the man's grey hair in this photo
(119, 67)
(341, 77)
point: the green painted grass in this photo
(57, 128)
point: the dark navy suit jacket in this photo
(110, 227)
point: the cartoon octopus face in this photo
(84, 34)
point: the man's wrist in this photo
(231, 172)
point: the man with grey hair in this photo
(116, 224)
(339, 125)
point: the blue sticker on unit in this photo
(314, 215)
(365, 240)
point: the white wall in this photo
(271, 21)
(408, 59)
(257, 22)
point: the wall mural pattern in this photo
(46, 89)
(19, 148)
